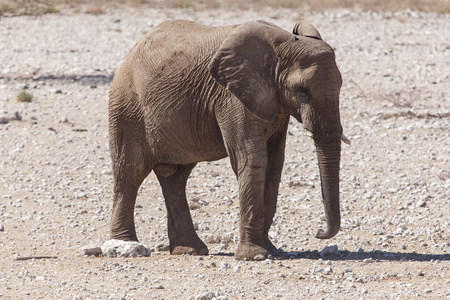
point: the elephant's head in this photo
(267, 67)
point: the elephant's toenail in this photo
(259, 257)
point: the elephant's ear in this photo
(246, 65)
(306, 29)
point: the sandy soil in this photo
(55, 182)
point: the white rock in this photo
(421, 203)
(114, 248)
(106, 172)
(274, 234)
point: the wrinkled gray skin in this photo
(188, 93)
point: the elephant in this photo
(188, 93)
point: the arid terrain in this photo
(56, 182)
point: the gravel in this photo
(56, 182)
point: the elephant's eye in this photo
(303, 93)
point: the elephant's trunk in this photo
(329, 158)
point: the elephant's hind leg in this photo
(182, 236)
(129, 170)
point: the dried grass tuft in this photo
(25, 96)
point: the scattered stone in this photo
(224, 245)
(400, 230)
(265, 261)
(229, 237)
(163, 247)
(224, 266)
(114, 248)
(205, 296)
(106, 172)
(92, 251)
(274, 234)
(368, 260)
(6, 118)
(318, 270)
(158, 287)
(327, 271)
(16, 116)
(330, 250)
(421, 203)
(2, 228)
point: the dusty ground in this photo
(55, 178)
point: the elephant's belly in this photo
(199, 155)
(187, 150)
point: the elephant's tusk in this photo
(309, 133)
(345, 139)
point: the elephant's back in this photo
(168, 54)
(176, 45)
(165, 57)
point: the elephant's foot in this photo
(252, 252)
(191, 245)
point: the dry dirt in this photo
(55, 182)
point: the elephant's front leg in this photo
(250, 169)
(182, 236)
(275, 161)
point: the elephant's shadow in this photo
(372, 256)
